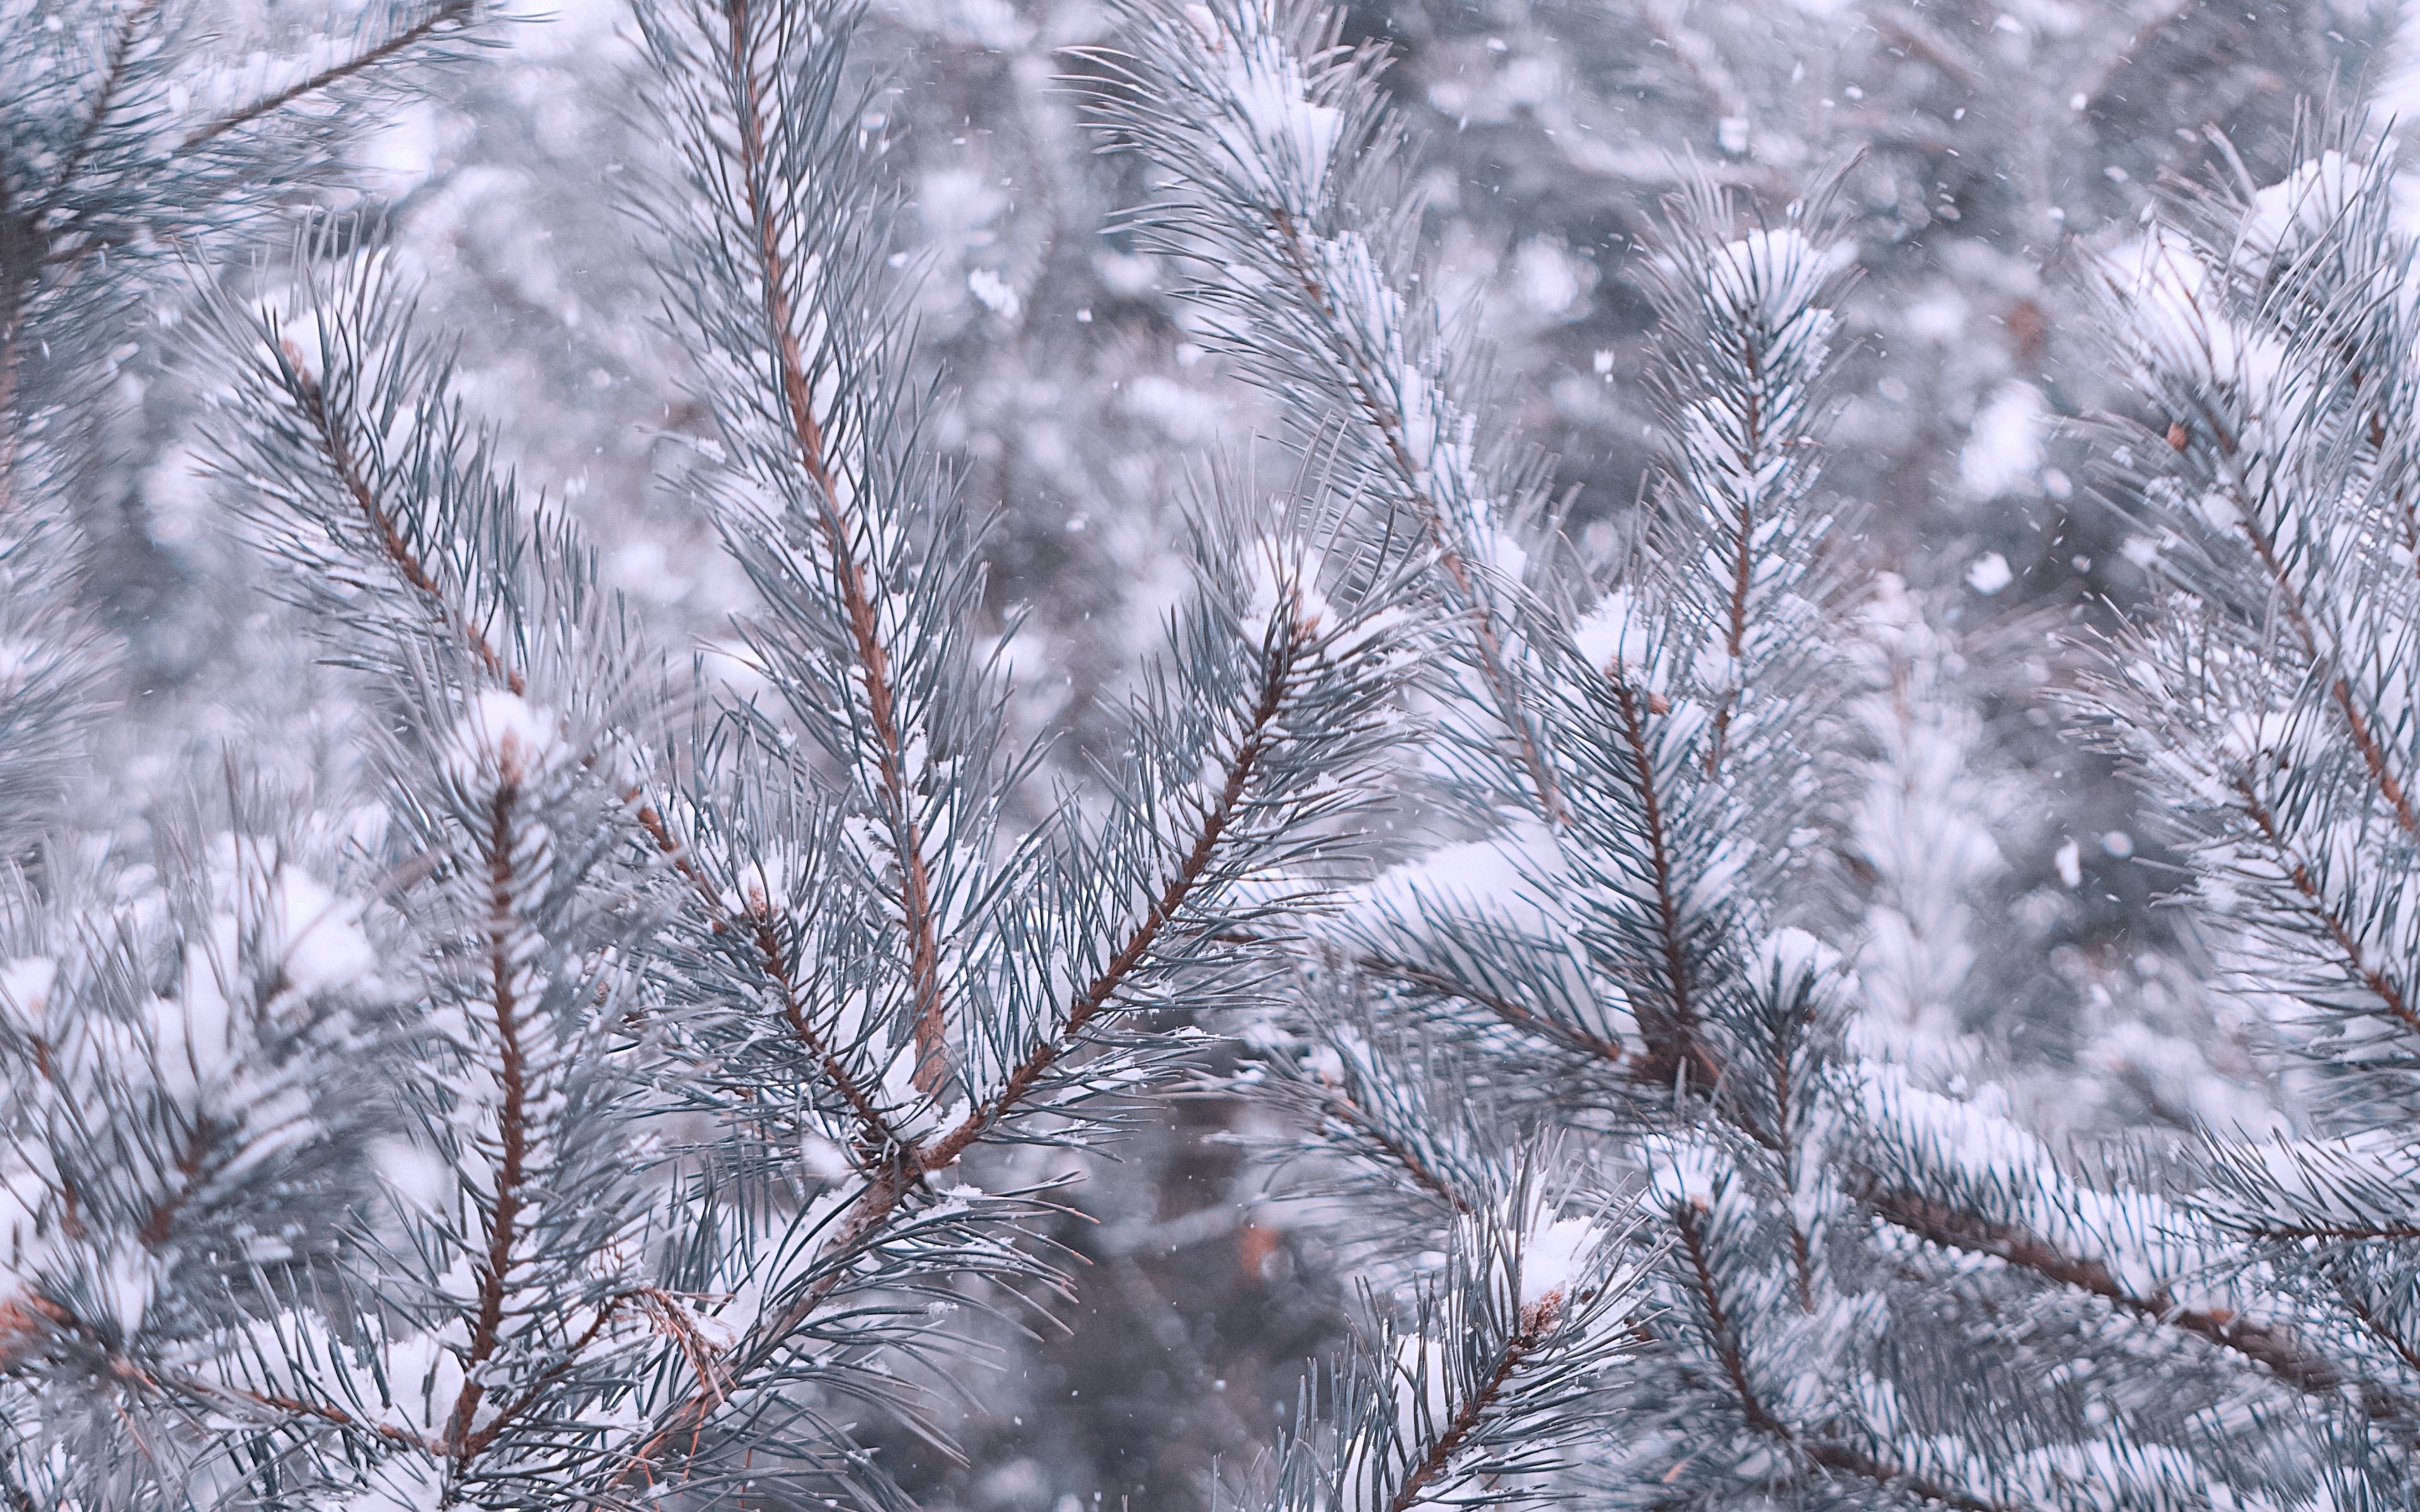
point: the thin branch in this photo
(1096, 995)
(2290, 598)
(322, 1412)
(1537, 1319)
(1364, 385)
(2381, 985)
(1718, 1324)
(337, 448)
(112, 77)
(512, 1117)
(756, 926)
(1428, 978)
(1402, 1154)
(2279, 1353)
(1744, 554)
(1681, 1046)
(1829, 1455)
(857, 597)
(890, 1184)
(606, 1312)
(446, 12)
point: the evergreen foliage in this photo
(610, 1079)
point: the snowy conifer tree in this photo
(589, 1098)
(602, 1074)
(1874, 1285)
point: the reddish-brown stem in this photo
(334, 1417)
(1517, 1015)
(1418, 1169)
(2381, 985)
(28, 1315)
(2285, 1357)
(1388, 421)
(104, 98)
(1801, 1252)
(802, 1027)
(503, 1216)
(1830, 1455)
(857, 597)
(162, 1220)
(2365, 739)
(889, 1183)
(1839, 1456)
(2377, 1327)
(1718, 1324)
(1138, 944)
(445, 12)
(336, 446)
(478, 1442)
(1744, 553)
(767, 945)
(1537, 1322)
(1680, 1046)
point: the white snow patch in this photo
(2004, 448)
(501, 732)
(1554, 1256)
(994, 292)
(1989, 572)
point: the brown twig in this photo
(1744, 554)
(856, 598)
(1517, 1015)
(1096, 995)
(1395, 1149)
(1365, 387)
(1680, 1044)
(104, 99)
(2381, 985)
(1536, 1320)
(2289, 597)
(336, 446)
(325, 1412)
(757, 926)
(889, 1183)
(512, 1118)
(444, 13)
(1829, 1455)
(2278, 1351)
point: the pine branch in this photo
(1569, 1037)
(1671, 1044)
(2332, 924)
(1281, 142)
(336, 447)
(2275, 1349)
(1139, 944)
(1824, 1452)
(443, 13)
(104, 97)
(2289, 598)
(503, 1213)
(908, 1163)
(1536, 1320)
(1469, 589)
(856, 599)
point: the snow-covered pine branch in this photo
(1626, 971)
(1484, 1381)
(696, 1033)
(595, 1075)
(2264, 698)
(1285, 190)
(127, 145)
